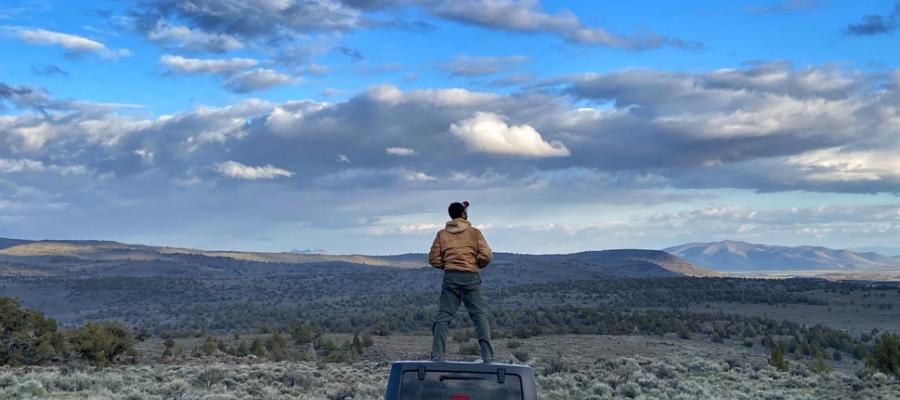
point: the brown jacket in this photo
(460, 247)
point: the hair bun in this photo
(466, 203)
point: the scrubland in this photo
(621, 377)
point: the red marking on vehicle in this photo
(460, 397)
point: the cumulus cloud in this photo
(256, 79)
(255, 19)
(73, 44)
(715, 118)
(185, 65)
(25, 165)
(836, 165)
(235, 74)
(762, 127)
(266, 20)
(24, 96)
(490, 133)
(234, 169)
(527, 17)
(185, 38)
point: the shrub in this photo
(366, 339)
(819, 365)
(344, 393)
(209, 346)
(277, 346)
(257, 348)
(513, 344)
(31, 388)
(630, 390)
(460, 336)
(556, 365)
(209, 377)
(885, 356)
(26, 336)
(304, 333)
(470, 349)
(104, 343)
(522, 355)
(777, 359)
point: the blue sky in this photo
(349, 125)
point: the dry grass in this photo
(567, 367)
(621, 377)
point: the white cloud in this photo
(261, 19)
(526, 16)
(234, 169)
(206, 66)
(256, 79)
(490, 133)
(453, 97)
(183, 37)
(236, 75)
(418, 176)
(26, 165)
(343, 159)
(400, 151)
(404, 229)
(71, 43)
(834, 165)
(67, 41)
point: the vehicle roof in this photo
(460, 366)
(400, 368)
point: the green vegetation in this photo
(885, 356)
(819, 364)
(329, 317)
(331, 295)
(29, 338)
(777, 359)
(104, 343)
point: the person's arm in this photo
(485, 255)
(435, 258)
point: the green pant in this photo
(462, 287)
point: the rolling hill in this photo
(735, 256)
(118, 259)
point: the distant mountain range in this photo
(68, 257)
(735, 256)
(885, 250)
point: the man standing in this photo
(461, 251)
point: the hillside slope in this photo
(118, 259)
(732, 256)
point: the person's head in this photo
(458, 210)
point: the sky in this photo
(348, 126)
